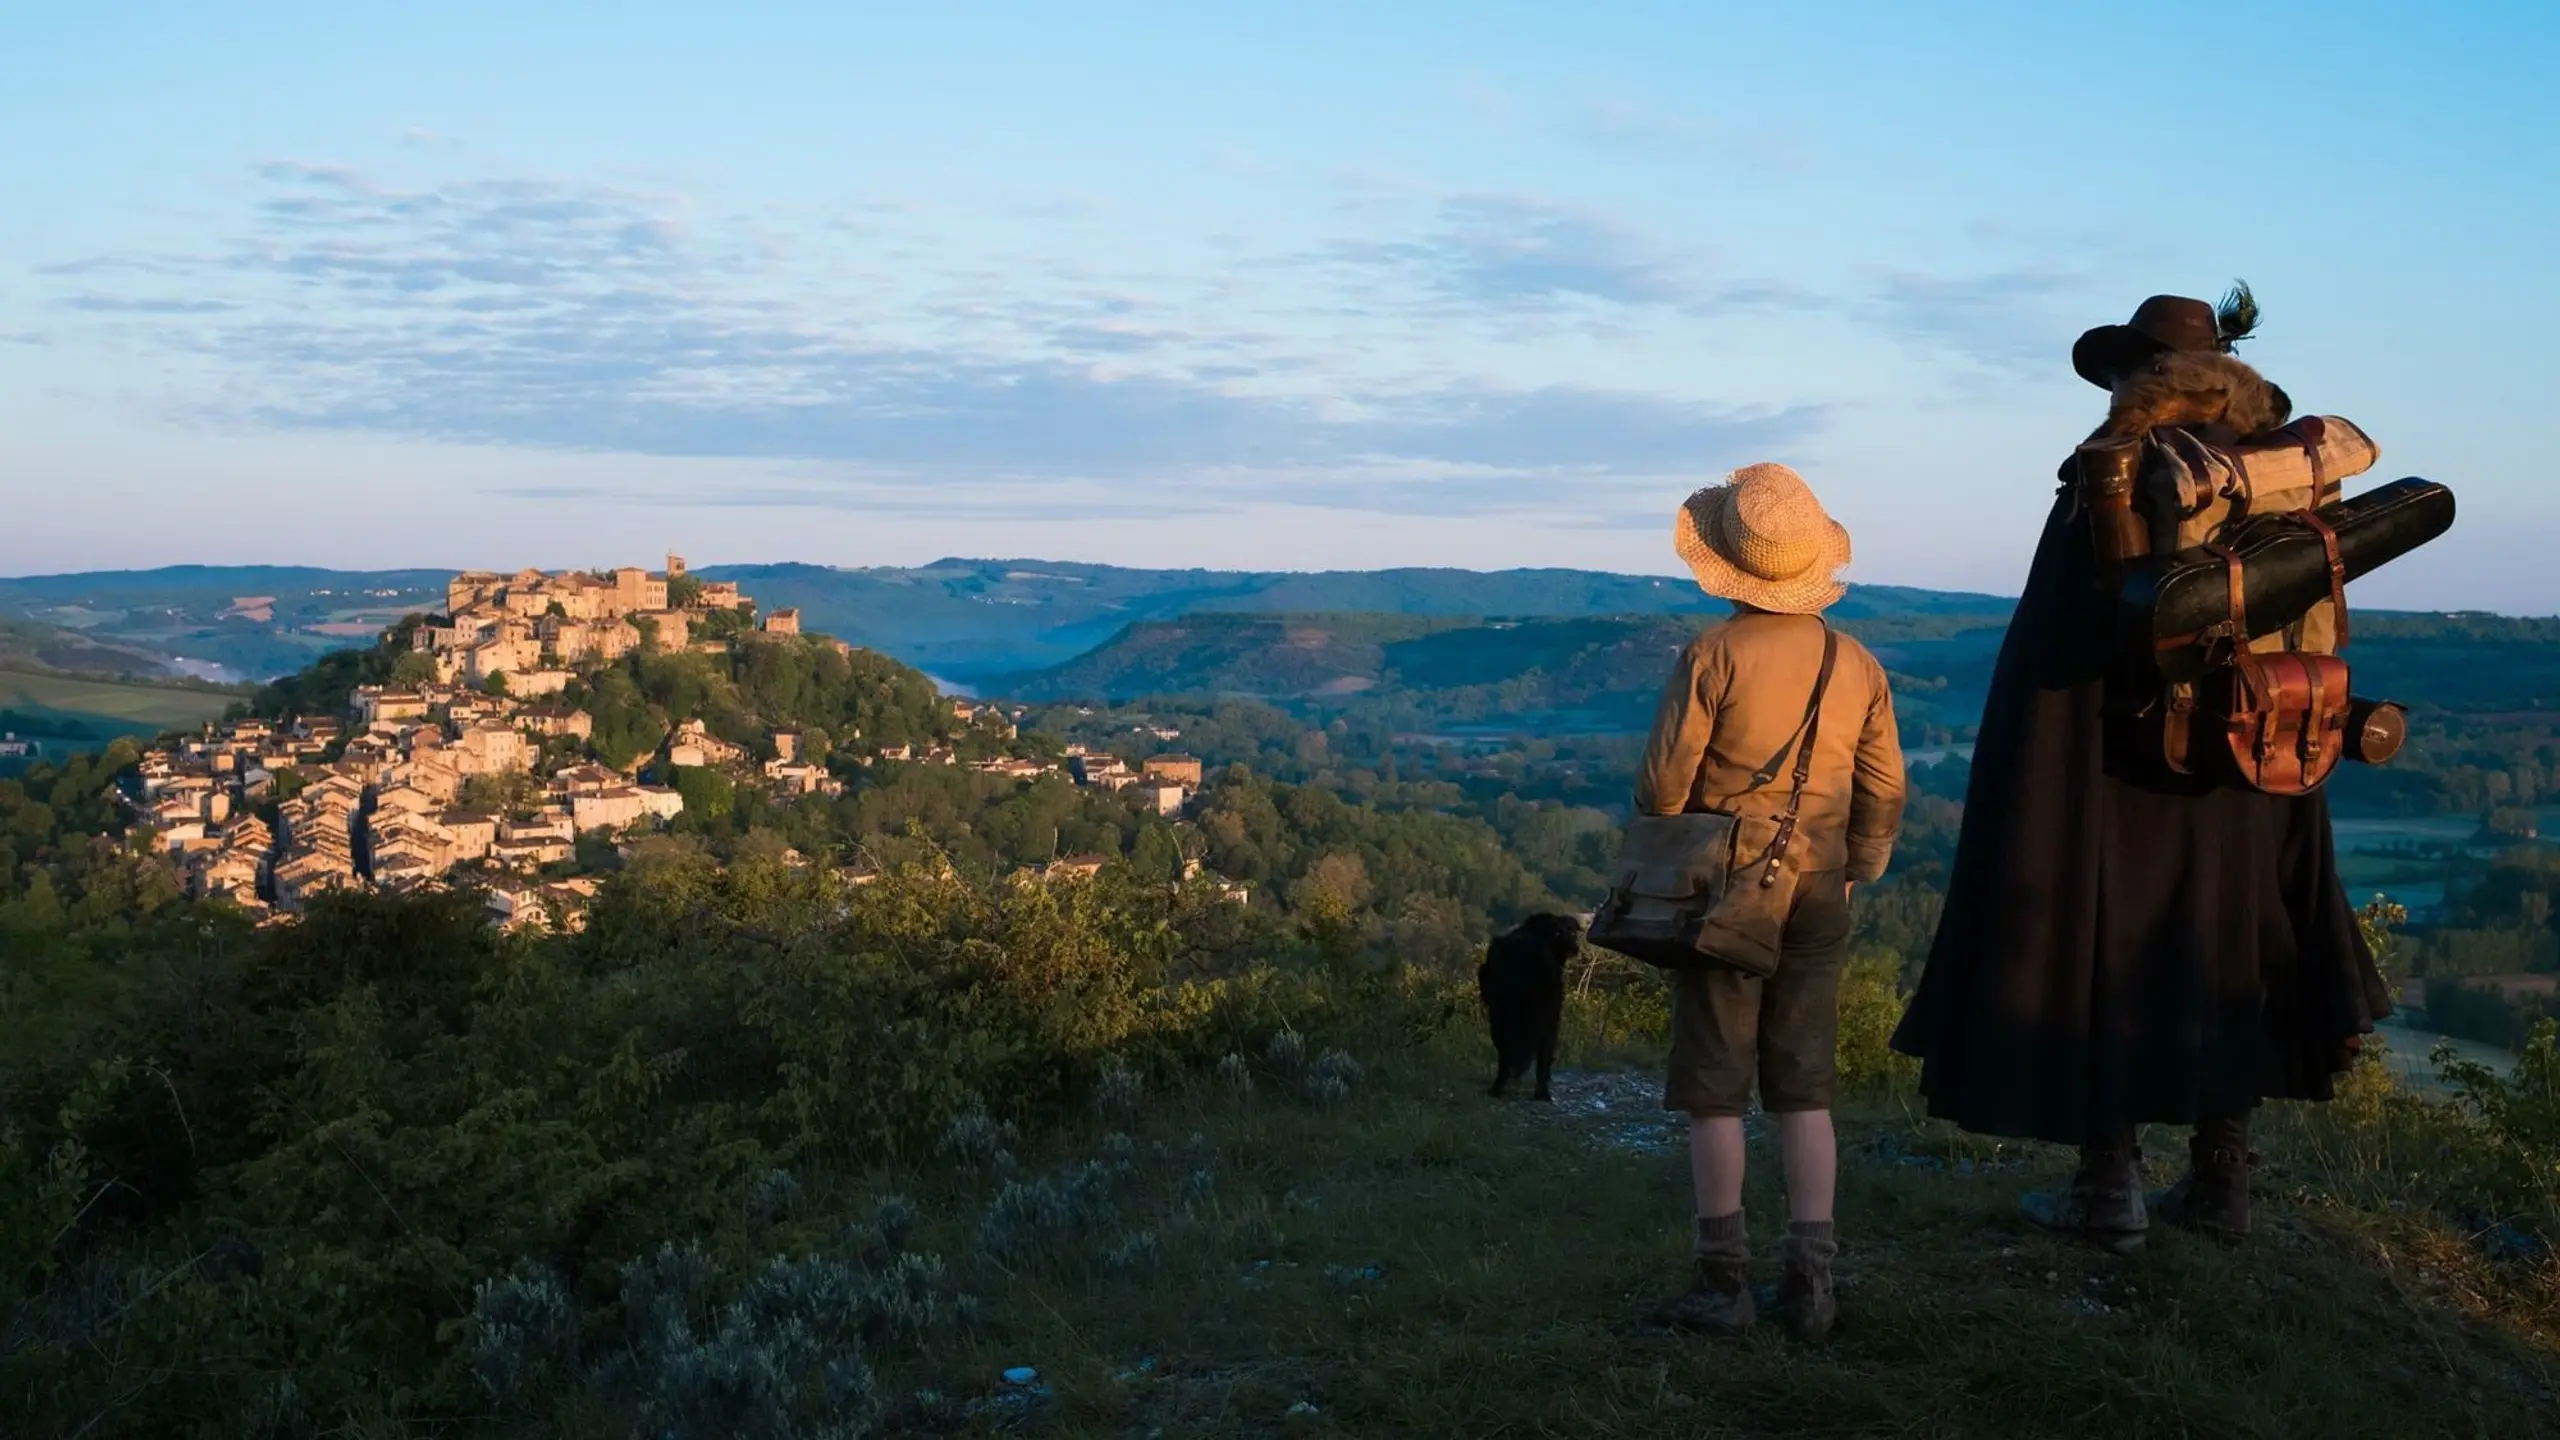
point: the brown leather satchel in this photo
(2281, 715)
(1708, 890)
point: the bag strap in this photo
(2239, 595)
(1811, 730)
(2337, 570)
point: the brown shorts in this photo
(1728, 1027)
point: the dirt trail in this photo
(1623, 1109)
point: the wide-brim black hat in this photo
(2163, 322)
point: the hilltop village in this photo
(476, 768)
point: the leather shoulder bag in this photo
(1707, 888)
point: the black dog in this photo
(1522, 982)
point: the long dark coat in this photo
(2119, 948)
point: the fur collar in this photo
(2194, 390)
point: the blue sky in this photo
(1238, 285)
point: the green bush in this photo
(2513, 1169)
(1871, 1003)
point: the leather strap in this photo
(2337, 569)
(2239, 593)
(2176, 738)
(2311, 737)
(2310, 431)
(1811, 729)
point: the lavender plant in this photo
(1030, 1220)
(522, 1327)
(1119, 1092)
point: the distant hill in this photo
(32, 645)
(1056, 628)
(1547, 674)
(65, 690)
(960, 619)
(225, 622)
(970, 620)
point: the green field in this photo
(116, 706)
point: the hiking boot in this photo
(2212, 1198)
(2104, 1204)
(1805, 1302)
(1718, 1300)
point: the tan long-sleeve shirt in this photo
(1732, 709)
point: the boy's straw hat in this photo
(1763, 539)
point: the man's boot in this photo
(1804, 1289)
(2212, 1198)
(1718, 1300)
(2104, 1203)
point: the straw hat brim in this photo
(1807, 593)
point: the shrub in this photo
(1871, 1004)
(1137, 1251)
(1032, 1221)
(2515, 1167)
(522, 1329)
(1286, 1054)
(1330, 1080)
(893, 1219)
(974, 1140)
(1119, 1091)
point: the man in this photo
(2120, 945)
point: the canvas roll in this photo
(2178, 607)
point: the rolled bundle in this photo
(2180, 607)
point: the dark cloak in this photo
(2120, 946)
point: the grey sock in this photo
(1722, 1234)
(1814, 1230)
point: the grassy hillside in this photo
(28, 645)
(114, 707)
(761, 1154)
(1428, 1263)
(69, 691)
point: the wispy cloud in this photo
(1512, 250)
(143, 305)
(2005, 320)
(549, 312)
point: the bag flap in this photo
(1673, 857)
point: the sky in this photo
(1264, 286)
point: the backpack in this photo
(2269, 712)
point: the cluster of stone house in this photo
(421, 781)
(533, 626)
(555, 904)
(1166, 781)
(380, 801)
(198, 796)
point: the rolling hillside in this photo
(1580, 674)
(971, 620)
(65, 690)
(224, 622)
